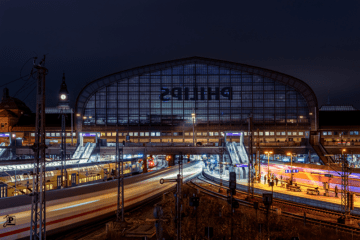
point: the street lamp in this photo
(291, 155)
(193, 116)
(268, 154)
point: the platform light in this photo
(78, 114)
(84, 117)
(90, 117)
(291, 155)
(268, 153)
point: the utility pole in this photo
(346, 197)
(38, 204)
(250, 165)
(63, 147)
(120, 177)
(178, 207)
(63, 105)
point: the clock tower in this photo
(63, 95)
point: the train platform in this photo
(327, 202)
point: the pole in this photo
(268, 165)
(250, 165)
(232, 210)
(118, 176)
(193, 118)
(122, 186)
(38, 204)
(15, 180)
(291, 169)
(72, 127)
(63, 147)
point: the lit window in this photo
(198, 133)
(135, 134)
(324, 133)
(216, 133)
(103, 134)
(158, 134)
(245, 133)
(283, 133)
(58, 134)
(266, 133)
(261, 133)
(131, 134)
(48, 134)
(108, 134)
(356, 132)
(146, 134)
(53, 134)
(68, 134)
(33, 134)
(74, 134)
(271, 133)
(301, 133)
(152, 134)
(211, 134)
(114, 134)
(294, 133)
(204, 133)
(277, 133)
(141, 134)
(255, 133)
(329, 133)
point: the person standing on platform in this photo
(276, 181)
(264, 179)
(336, 191)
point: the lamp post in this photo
(291, 176)
(268, 154)
(193, 116)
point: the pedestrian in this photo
(276, 181)
(269, 181)
(281, 179)
(336, 191)
(264, 179)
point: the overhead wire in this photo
(17, 79)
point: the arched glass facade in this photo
(216, 95)
(219, 93)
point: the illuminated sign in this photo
(233, 134)
(294, 171)
(197, 93)
(241, 165)
(89, 134)
(4, 135)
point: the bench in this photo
(294, 188)
(313, 191)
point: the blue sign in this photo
(294, 171)
(241, 165)
(328, 175)
(4, 135)
(89, 134)
(233, 134)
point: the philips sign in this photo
(201, 93)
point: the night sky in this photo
(315, 41)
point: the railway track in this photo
(300, 207)
(85, 230)
(309, 220)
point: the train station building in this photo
(192, 100)
(161, 103)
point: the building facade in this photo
(155, 103)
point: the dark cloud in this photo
(315, 41)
